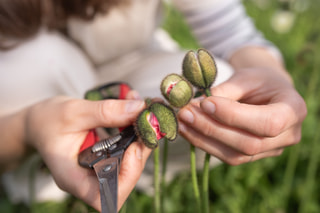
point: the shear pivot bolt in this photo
(107, 168)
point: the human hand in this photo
(57, 128)
(253, 115)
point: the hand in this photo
(253, 115)
(57, 128)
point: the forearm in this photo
(12, 146)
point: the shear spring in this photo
(106, 144)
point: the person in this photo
(53, 51)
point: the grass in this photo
(288, 183)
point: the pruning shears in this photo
(104, 156)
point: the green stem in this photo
(205, 177)
(205, 184)
(289, 173)
(157, 195)
(164, 169)
(194, 177)
(207, 92)
(311, 176)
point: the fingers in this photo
(236, 139)
(133, 95)
(263, 120)
(221, 150)
(132, 166)
(108, 113)
(244, 82)
(237, 86)
(84, 184)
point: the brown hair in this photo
(21, 19)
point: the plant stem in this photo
(207, 92)
(157, 195)
(289, 173)
(311, 177)
(163, 173)
(205, 184)
(205, 177)
(194, 177)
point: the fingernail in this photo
(136, 95)
(139, 152)
(182, 127)
(186, 116)
(133, 106)
(200, 98)
(208, 107)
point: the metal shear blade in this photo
(105, 158)
(107, 173)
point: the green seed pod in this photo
(176, 90)
(199, 68)
(145, 130)
(167, 120)
(156, 122)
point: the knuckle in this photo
(67, 110)
(235, 161)
(230, 120)
(104, 109)
(208, 130)
(275, 124)
(253, 148)
(61, 185)
(279, 152)
(301, 109)
(295, 137)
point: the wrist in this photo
(258, 58)
(13, 146)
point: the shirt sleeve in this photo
(222, 27)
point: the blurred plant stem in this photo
(157, 196)
(163, 173)
(194, 177)
(205, 184)
(311, 175)
(205, 177)
(289, 173)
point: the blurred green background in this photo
(289, 183)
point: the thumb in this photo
(132, 165)
(240, 84)
(233, 88)
(106, 113)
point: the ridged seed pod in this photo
(199, 68)
(176, 90)
(156, 122)
(167, 120)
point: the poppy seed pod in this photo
(176, 90)
(156, 122)
(199, 68)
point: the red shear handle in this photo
(92, 136)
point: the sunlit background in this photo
(289, 183)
